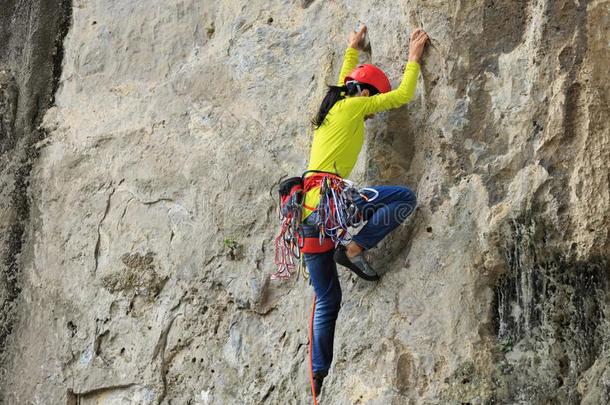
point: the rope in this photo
(313, 391)
(286, 253)
(287, 249)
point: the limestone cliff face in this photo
(144, 260)
(31, 54)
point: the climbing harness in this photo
(337, 210)
(334, 215)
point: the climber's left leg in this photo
(384, 209)
(391, 207)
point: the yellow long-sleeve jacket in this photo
(338, 141)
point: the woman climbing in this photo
(361, 92)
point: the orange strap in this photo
(312, 209)
(313, 391)
(314, 181)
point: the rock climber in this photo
(361, 92)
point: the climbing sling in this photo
(294, 237)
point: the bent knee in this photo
(408, 202)
(408, 196)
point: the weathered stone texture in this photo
(31, 53)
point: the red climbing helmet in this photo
(372, 75)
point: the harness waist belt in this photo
(310, 240)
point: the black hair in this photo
(336, 93)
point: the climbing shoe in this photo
(318, 379)
(357, 264)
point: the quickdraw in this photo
(334, 215)
(337, 210)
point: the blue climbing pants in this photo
(383, 214)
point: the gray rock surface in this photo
(31, 54)
(144, 272)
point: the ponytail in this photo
(334, 94)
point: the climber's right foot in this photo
(357, 264)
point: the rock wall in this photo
(144, 272)
(31, 54)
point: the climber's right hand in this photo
(418, 41)
(356, 39)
